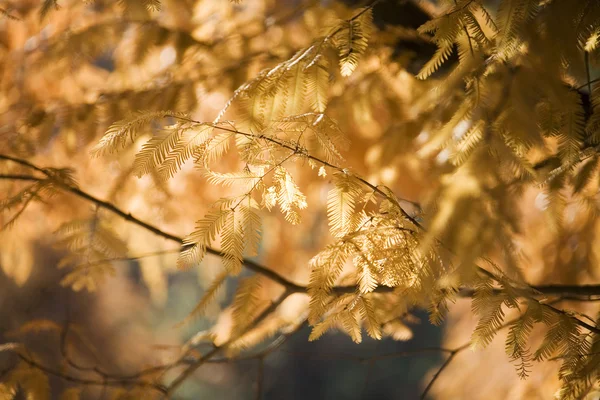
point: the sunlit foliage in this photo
(212, 119)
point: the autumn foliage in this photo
(314, 164)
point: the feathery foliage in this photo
(505, 108)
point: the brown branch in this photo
(91, 382)
(575, 319)
(552, 289)
(439, 372)
(589, 83)
(17, 177)
(576, 290)
(299, 151)
(290, 286)
(466, 345)
(387, 196)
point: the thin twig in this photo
(437, 374)
(463, 347)
(130, 258)
(18, 177)
(589, 83)
(90, 382)
(198, 363)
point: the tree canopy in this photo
(336, 165)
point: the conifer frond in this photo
(593, 125)
(90, 242)
(369, 316)
(295, 92)
(352, 41)
(57, 177)
(438, 305)
(510, 99)
(468, 143)
(214, 148)
(289, 197)
(168, 150)
(341, 202)
(349, 320)
(322, 327)
(572, 130)
(516, 343)
(322, 134)
(206, 232)
(491, 320)
(252, 110)
(232, 242)
(579, 367)
(474, 30)
(40, 191)
(245, 178)
(245, 303)
(20, 199)
(318, 83)
(207, 297)
(440, 56)
(512, 14)
(455, 27)
(489, 21)
(252, 225)
(330, 139)
(236, 221)
(366, 271)
(326, 268)
(284, 89)
(118, 133)
(488, 306)
(561, 335)
(444, 28)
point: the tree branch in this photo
(582, 291)
(438, 373)
(90, 382)
(17, 177)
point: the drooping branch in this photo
(579, 291)
(118, 382)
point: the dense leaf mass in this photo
(231, 123)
